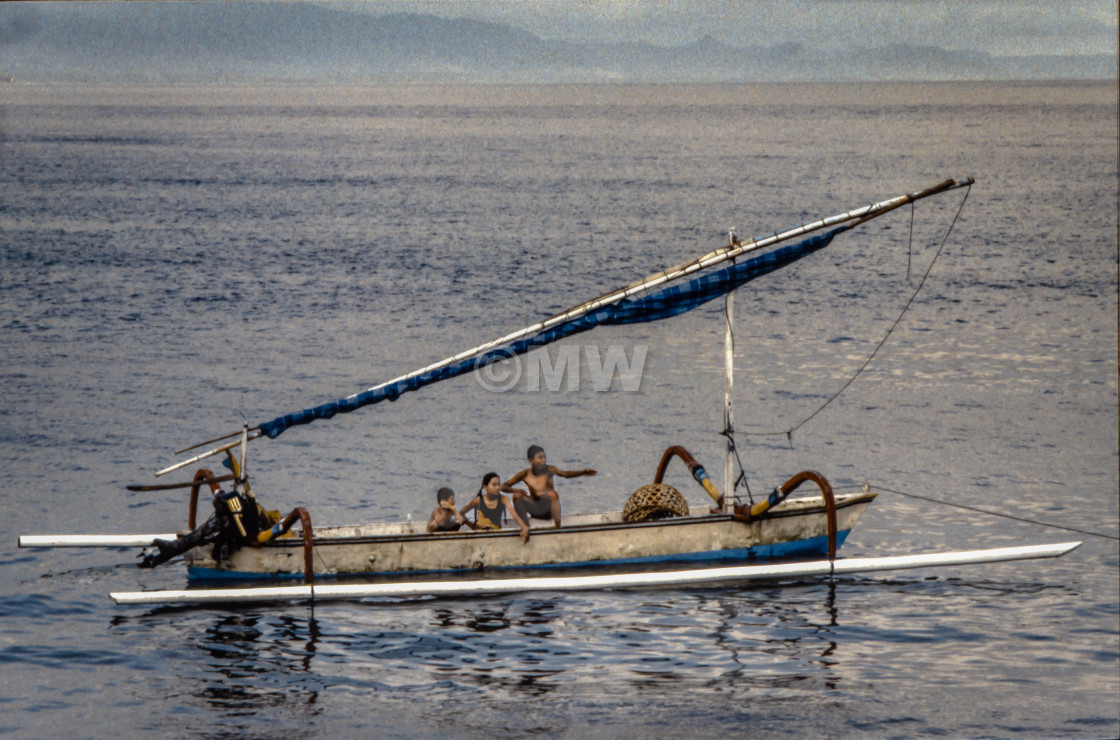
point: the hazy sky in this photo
(1001, 27)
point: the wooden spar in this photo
(91, 540)
(715, 257)
(204, 455)
(189, 484)
(231, 435)
(703, 577)
(732, 251)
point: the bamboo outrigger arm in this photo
(694, 467)
(747, 512)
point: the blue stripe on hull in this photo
(782, 550)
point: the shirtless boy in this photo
(444, 518)
(542, 501)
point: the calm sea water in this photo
(175, 262)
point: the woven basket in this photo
(655, 501)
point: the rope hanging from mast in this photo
(788, 433)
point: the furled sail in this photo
(629, 304)
(665, 303)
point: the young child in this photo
(444, 518)
(492, 506)
(542, 501)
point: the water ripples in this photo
(171, 269)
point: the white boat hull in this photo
(793, 529)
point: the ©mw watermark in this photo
(502, 370)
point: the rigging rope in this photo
(995, 513)
(789, 432)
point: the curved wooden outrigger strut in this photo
(206, 477)
(747, 512)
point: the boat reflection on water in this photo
(520, 663)
(290, 662)
(253, 665)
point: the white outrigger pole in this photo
(705, 577)
(91, 540)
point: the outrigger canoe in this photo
(733, 531)
(656, 526)
(794, 529)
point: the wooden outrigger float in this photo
(656, 527)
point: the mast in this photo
(728, 396)
(728, 416)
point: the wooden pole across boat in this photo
(732, 576)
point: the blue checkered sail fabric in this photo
(665, 303)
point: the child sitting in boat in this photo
(491, 506)
(542, 501)
(444, 518)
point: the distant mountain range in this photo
(298, 42)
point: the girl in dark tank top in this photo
(492, 506)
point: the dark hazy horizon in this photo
(346, 43)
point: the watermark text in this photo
(559, 368)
